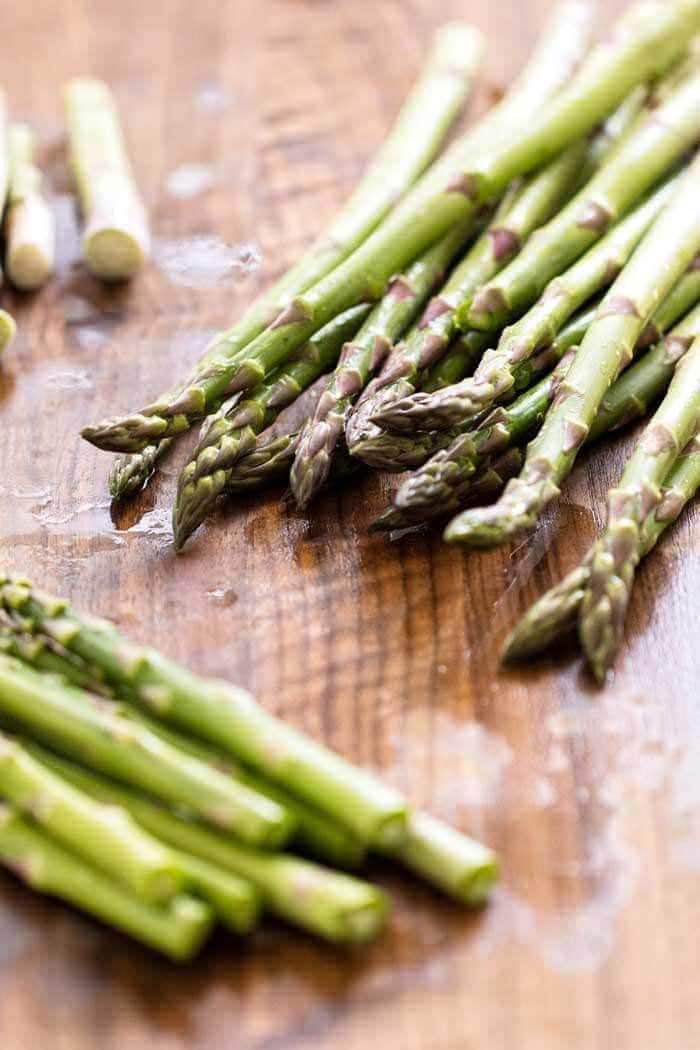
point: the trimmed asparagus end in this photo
(113, 254)
(8, 330)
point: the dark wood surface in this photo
(388, 651)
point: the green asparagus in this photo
(130, 473)
(664, 254)
(102, 835)
(231, 435)
(330, 904)
(81, 724)
(116, 241)
(362, 357)
(29, 224)
(220, 713)
(617, 553)
(177, 931)
(520, 213)
(564, 295)
(647, 41)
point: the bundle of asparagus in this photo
(549, 245)
(161, 802)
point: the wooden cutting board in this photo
(248, 124)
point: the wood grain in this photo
(386, 650)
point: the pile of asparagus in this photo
(116, 239)
(537, 283)
(161, 802)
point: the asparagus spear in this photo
(658, 145)
(664, 254)
(330, 904)
(29, 224)
(395, 452)
(130, 473)
(314, 832)
(519, 214)
(80, 724)
(363, 356)
(7, 328)
(522, 210)
(116, 241)
(230, 436)
(445, 480)
(177, 931)
(495, 377)
(647, 41)
(557, 612)
(219, 713)
(234, 900)
(103, 836)
(617, 553)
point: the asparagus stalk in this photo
(130, 473)
(617, 553)
(460, 360)
(116, 241)
(177, 931)
(8, 328)
(520, 213)
(647, 42)
(330, 904)
(4, 157)
(235, 901)
(29, 224)
(231, 435)
(450, 861)
(495, 377)
(664, 254)
(660, 143)
(314, 832)
(80, 724)
(102, 835)
(217, 712)
(390, 318)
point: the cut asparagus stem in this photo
(234, 900)
(362, 357)
(177, 931)
(231, 435)
(4, 157)
(80, 724)
(664, 254)
(103, 836)
(130, 473)
(29, 223)
(495, 376)
(116, 241)
(218, 712)
(649, 154)
(647, 41)
(332, 905)
(520, 213)
(8, 328)
(314, 832)
(450, 861)
(617, 553)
